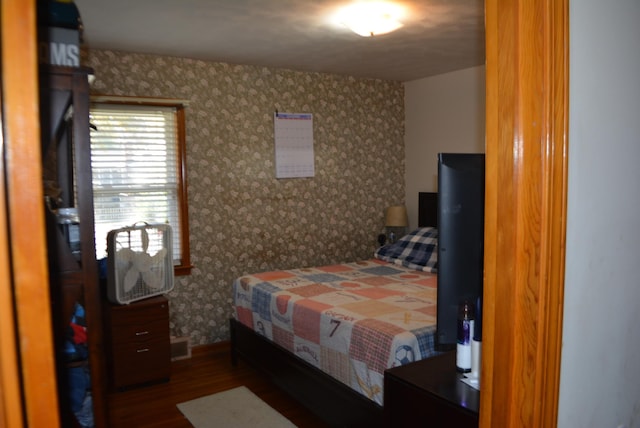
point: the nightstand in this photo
(138, 342)
(429, 393)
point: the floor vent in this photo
(180, 348)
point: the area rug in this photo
(234, 408)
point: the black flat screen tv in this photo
(460, 239)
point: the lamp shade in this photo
(396, 216)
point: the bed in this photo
(327, 334)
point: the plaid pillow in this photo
(417, 250)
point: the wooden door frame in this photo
(527, 82)
(28, 392)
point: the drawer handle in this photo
(142, 350)
(141, 333)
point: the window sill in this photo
(182, 270)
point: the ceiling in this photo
(438, 36)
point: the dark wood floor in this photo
(208, 371)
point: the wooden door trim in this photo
(10, 390)
(526, 155)
(33, 352)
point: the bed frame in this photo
(328, 398)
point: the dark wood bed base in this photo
(427, 209)
(329, 399)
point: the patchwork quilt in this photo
(351, 320)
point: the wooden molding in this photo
(525, 212)
(11, 399)
(25, 202)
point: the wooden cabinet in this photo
(429, 393)
(64, 123)
(139, 348)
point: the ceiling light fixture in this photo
(371, 18)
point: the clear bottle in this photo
(476, 342)
(465, 335)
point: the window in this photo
(139, 175)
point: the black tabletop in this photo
(438, 376)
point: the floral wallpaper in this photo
(243, 219)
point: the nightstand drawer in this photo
(140, 332)
(140, 363)
(138, 340)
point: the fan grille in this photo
(139, 262)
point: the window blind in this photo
(134, 161)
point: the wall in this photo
(243, 219)
(600, 380)
(443, 113)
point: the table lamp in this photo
(396, 222)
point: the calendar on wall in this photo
(294, 145)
